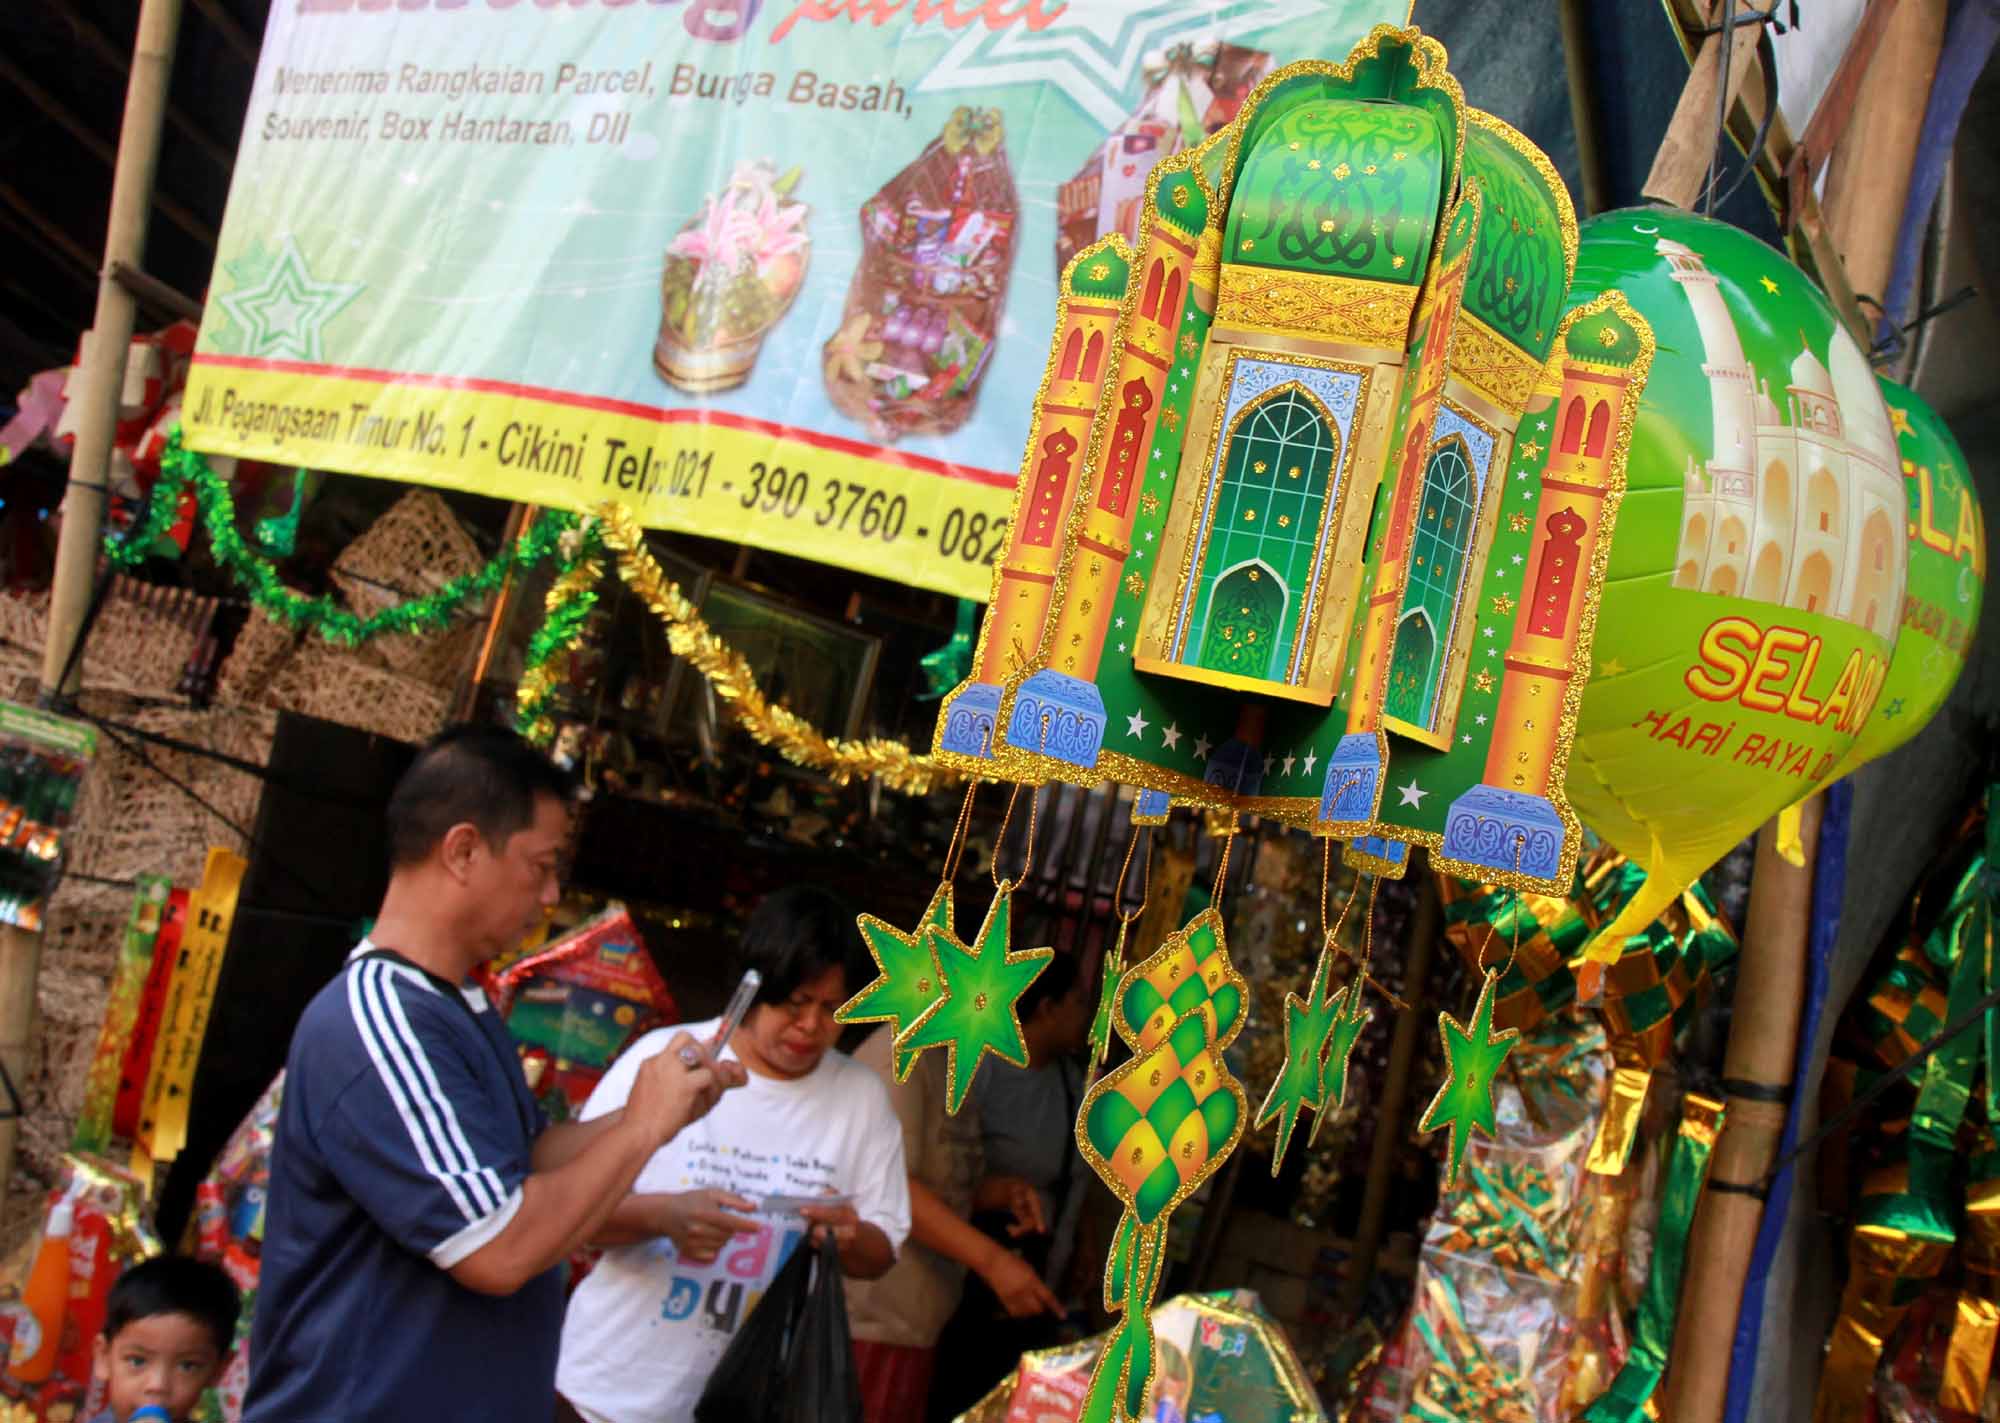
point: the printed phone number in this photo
(841, 506)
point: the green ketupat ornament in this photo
(1155, 1130)
(1473, 1058)
(908, 983)
(977, 1010)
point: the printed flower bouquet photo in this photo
(731, 275)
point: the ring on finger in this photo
(690, 1057)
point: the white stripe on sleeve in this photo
(392, 1082)
(486, 1176)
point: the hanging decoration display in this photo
(907, 977)
(566, 613)
(1155, 1129)
(1473, 1058)
(1922, 1198)
(43, 760)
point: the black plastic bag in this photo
(792, 1361)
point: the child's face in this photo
(164, 1359)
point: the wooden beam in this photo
(109, 55)
(83, 134)
(1868, 178)
(1583, 111)
(149, 288)
(1836, 104)
(1680, 167)
(233, 34)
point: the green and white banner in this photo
(778, 271)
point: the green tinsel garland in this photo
(570, 600)
(181, 467)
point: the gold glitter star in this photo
(1396, 262)
(1314, 164)
(1606, 337)
(1503, 605)
(1482, 681)
(1518, 523)
(1100, 271)
(1613, 668)
(1293, 471)
(1171, 417)
(1284, 521)
(1769, 285)
(1149, 503)
(1531, 450)
(1189, 346)
(1510, 284)
(1134, 584)
(1180, 197)
(1326, 224)
(1258, 467)
(1249, 516)
(1369, 170)
(1899, 420)
(1246, 245)
(1341, 171)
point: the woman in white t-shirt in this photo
(706, 1228)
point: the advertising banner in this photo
(775, 271)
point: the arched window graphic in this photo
(1600, 429)
(1149, 305)
(1815, 580)
(1127, 438)
(1687, 576)
(1446, 518)
(1774, 501)
(1072, 349)
(1694, 552)
(1245, 622)
(1170, 300)
(1572, 432)
(1875, 590)
(1767, 575)
(1265, 509)
(1723, 581)
(1733, 535)
(1557, 574)
(1093, 356)
(1823, 504)
(1045, 507)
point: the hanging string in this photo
(1222, 868)
(1000, 840)
(1520, 842)
(956, 850)
(1368, 934)
(1146, 884)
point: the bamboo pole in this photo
(1680, 167)
(1757, 1076)
(1391, 1122)
(99, 381)
(1583, 106)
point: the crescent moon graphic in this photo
(1645, 231)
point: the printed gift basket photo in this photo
(731, 275)
(923, 310)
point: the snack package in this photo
(42, 761)
(923, 309)
(1192, 91)
(1220, 1358)
(121, 1012)
(731, 275)
(229, 1229)
(578, 1003)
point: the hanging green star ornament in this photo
(1472, 1062)
(1349, 1018)
(1308, 1023)
(979, 1010)
(907, 983)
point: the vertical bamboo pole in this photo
(1391, 1122)
(99, 381)
(1757, 1076)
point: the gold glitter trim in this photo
(1493, 367)
(1552, 180)
(1353, 309)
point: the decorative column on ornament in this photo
(1059, 432)
(1058, 711)
(1353, 786)
(1508, 823)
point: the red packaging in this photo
(139, 1054)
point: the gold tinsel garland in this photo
(730, 675)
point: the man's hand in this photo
(865, 1252)
(699, 1222)
(839, 1222)
(676, 1087)
(1014, 1282)
(1018, 1198)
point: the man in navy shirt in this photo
(419, 1203)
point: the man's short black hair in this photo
(175, 1284)
(1052, 984)
(485, 776)
(795, 935)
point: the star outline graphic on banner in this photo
(284, 313)
(1070, 54)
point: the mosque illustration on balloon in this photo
(1801, 506)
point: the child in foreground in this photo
(167, 1330)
